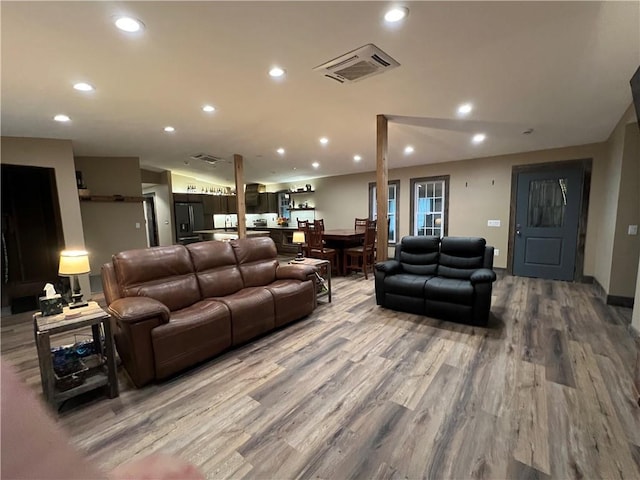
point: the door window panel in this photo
(547, 203)
(392, 212)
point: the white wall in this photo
(56, 154)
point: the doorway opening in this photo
(32, 235)
(150, 219)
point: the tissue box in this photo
(50, 306)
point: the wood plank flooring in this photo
(356, 391)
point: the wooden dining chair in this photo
(318, 250)
(304, 226)
(360, 224)
(319, 224)
(362, 258)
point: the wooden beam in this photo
(238, 164)
(382, 189)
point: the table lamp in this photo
(74, 263)
(298, 237)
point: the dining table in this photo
(340, 239)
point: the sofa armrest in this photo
(483, 275)
(389, 267)
(136, 309)
(295, 272)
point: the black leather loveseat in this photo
(449, 278)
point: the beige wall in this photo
(111, 227)
(480, 190)
(179, 184)
(163, 204)
(626, 248)
(56, 154)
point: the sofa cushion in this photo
(293, 299)
(252, 313)
(163, 273)
(257, 260)
(419, 255)
(192, 335)
(406, 284)
(460, 256)
(449, 290)
(216, 268)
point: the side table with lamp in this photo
(71, 370)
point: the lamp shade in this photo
(298, 237)
(74, 262)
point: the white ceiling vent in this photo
(358, 64)
(205, 157)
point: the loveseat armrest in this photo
(296, 272)
(389, 267)
(137, 309)
(483, 275)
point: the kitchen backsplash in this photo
(270, 218)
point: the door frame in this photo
(587, 166)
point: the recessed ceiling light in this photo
(396, 14)
(478, 138)
(208, 108)
(61, 118)
(324, 140)
(84, 87)
(315, 164)
(169, 129)
(280, 151)
(129, 24)
(408, 150)
(357, 158)
(465, 109)
(276, 72)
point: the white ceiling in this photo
(562, 69)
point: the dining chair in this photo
(360, 224)
(304, 226)
(319, 224)
(362, 258)
(318, 250)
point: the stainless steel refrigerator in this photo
(189, 218)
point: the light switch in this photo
(633, 229)
(493, 223)
(137, 224)
(496, 252)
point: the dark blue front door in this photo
(547, 216)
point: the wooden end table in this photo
(101, 375)
(324, 268)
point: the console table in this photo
(101, 375)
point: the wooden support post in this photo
(382, 189)
(238, 164)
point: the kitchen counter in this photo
(222, 234)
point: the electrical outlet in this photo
(493, 223)
(496, 252)
(137, 224)
(633, 230)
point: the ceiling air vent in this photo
(205, 157)
(358, 64)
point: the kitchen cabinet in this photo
(187, 197)
(267, 203)
(214, 204)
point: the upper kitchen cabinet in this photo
(268, 203)
(214, 204)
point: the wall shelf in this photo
(301, 192)
(308, 208)
(111, 198)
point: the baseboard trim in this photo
(599, 289)
(619, 301)
(587, 279)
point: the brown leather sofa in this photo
(179, 305)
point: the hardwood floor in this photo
(356, 391)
